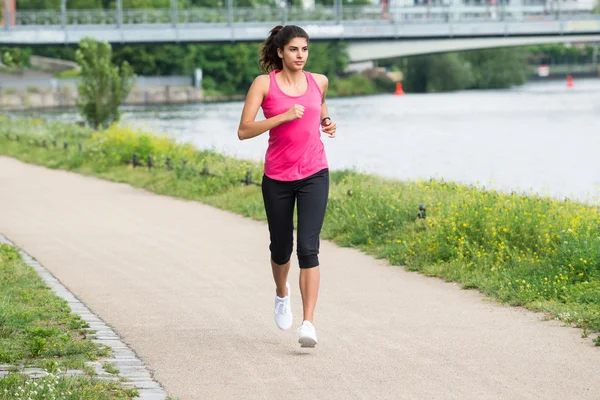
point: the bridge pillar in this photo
(119, 13)
(174, 16)
(8, 13)
(283, 9)
(517, 13)
(230, 12)
(454, 15)
(63, 13)
(337, 6)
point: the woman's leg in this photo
(279, 202)
(312, 194)
(280, 274)
(310, 279)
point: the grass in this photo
(37, 329)
(56, 386)
(522, 250)
(110, 368)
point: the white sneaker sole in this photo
(286, 326)
(307, 342)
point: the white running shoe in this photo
(283, 310)
(307, 337)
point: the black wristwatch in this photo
(323, 120)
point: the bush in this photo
(479, 69)
(70, 73)
(384, 84)
(355, 85)
(103, 86)
(15, 56)
(497, 68)
(436, 73)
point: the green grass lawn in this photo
(38, 330)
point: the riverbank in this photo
(41, 99)
(521, 250)
(63, 93)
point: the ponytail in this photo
(278, 37)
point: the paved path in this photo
(188, 287)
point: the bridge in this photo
(372, 33)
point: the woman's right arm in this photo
(250, 128)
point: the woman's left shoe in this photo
(307, 336)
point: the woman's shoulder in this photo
(262, 83)
(319, 78)
(262, 79)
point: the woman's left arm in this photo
(327, 125)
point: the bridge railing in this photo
(321, 14)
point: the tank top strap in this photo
(272, 82)
(312, 82)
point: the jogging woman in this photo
(296, 167)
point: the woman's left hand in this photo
(328, 127)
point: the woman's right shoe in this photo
(307, 336)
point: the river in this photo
(542, 137)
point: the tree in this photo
(103, 85)
(497, 68)
(436, 73)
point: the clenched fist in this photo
(295, 112)
(329, 127)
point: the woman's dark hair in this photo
(279, 36)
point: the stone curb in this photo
(122, 357)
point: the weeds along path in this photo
(189, 288)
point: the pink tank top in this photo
(295, 148)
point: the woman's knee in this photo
(281, 253)
(308, 252)
(308, 261)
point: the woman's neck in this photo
(293, 78)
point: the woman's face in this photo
(294, 54)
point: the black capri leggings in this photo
(279, 197)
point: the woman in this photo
(296, 168)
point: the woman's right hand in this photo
(295, 112)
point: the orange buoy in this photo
(569, 81)
(399, 91)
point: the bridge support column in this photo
(174, 16)
(119, 13)
(9, 13)
(230, 12)
(517, 12)
(454, 15)
(337, 7)
(63, 13)
(283, 4)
